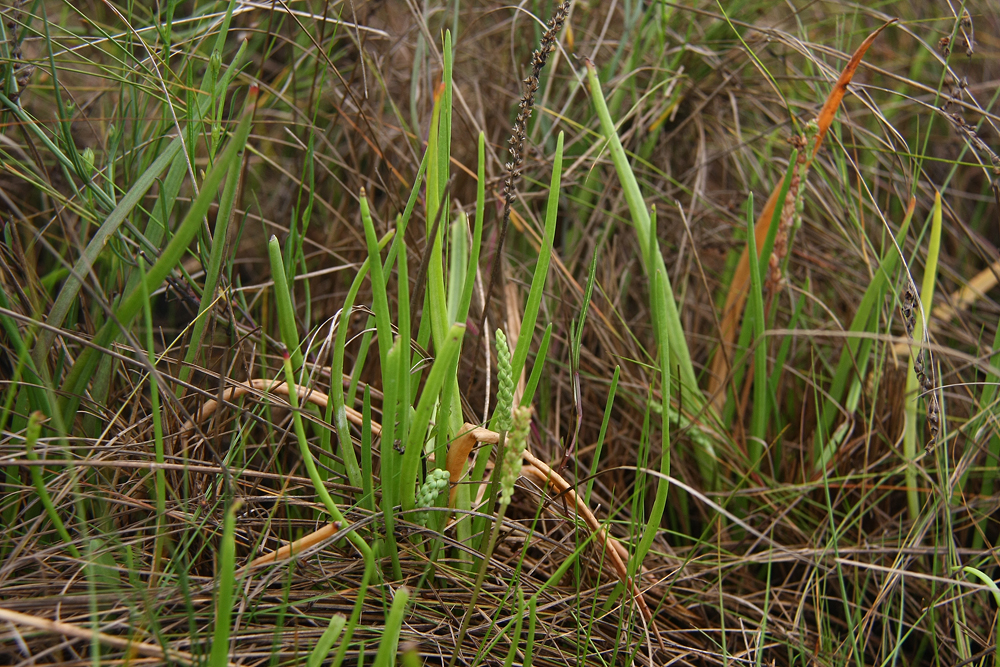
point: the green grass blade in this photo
(160, 478)
(477, 232)
(386, 654)
(534, 302)
(171, 256)
(226, 568)
(32, 432)
(652, 526)
(335, 408)
(758, 419)
(220, 236)
(765, 258)
(640, 219)
(380, 299)
(443, 364)
(391, 395)
(856, 351)
(912, 383)
(283, 303)
(599, 446)
(326, 641)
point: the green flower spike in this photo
(505, 382)
(516, 442)
(436, 482)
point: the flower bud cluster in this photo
(505, 384)
(517, 440)
(436, 482)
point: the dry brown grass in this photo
(826, 560)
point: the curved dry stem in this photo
(76, 632)
(261, 386)
(457, 455)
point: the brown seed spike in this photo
(519, 136)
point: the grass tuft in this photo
(250, 254)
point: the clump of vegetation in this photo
(740, 405)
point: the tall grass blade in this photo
(739, 285)
(386, 654)
(913, 384)
(225, 568)
(170, 257)
(441, 372)
(758, 419)
(680, 355)
(534, 302)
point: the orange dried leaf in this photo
(740, 284)
(826, 114)
(458, 454)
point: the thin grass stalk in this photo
(38, 386)
(652, 526)
(367, 466)
(219, 657)
(978, 432)
(326, 641)
(458, 263)
(220, 236)
(535, 293)
(12, 478)
(400, 372)
(31, 434)
(995, 592)
(778, 371)
(553, 580)
(477, 231)
(283, 303)
(599, 446)
(680, 356)
(392, 393)
(402, 284)
(385, 656)
(576, 341)
(335, 405)
(531, 386)
(331, 507)
(914, 385)
(529, 646)
(380, 298)
(160, 476)
(758, 419)
(446, 359)
(437, 207)
(766, 249)
(515, 636)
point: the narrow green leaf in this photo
(443, 364)
(534, 302)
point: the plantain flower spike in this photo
(517, 440)
(436, 482)
(505, 381)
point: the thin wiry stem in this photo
(517, 138)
